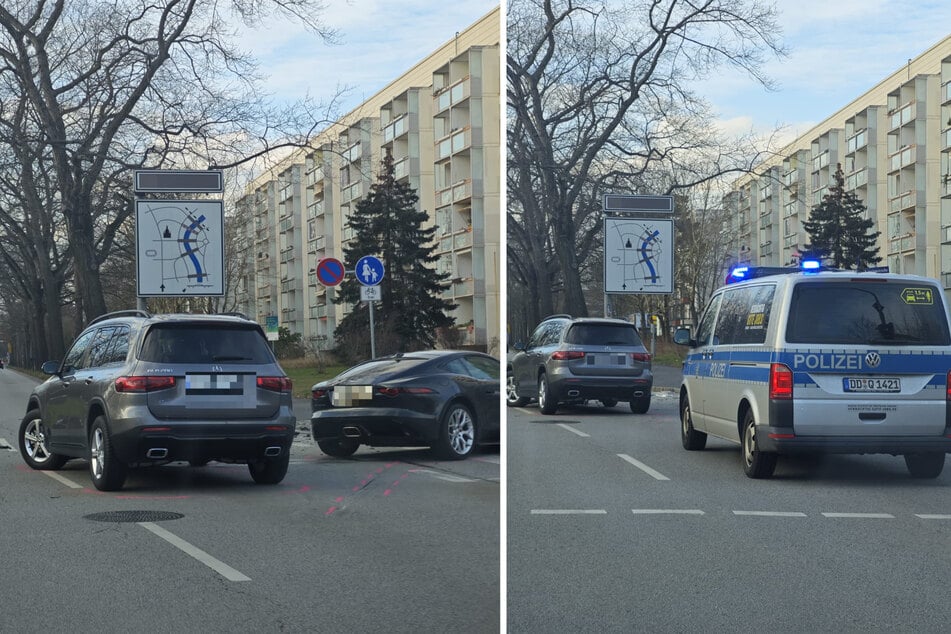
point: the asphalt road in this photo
(614, 527)
(386, 541)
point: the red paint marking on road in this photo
(339, 499)
(380, 470)
(331, 510)
(387, 492)
(356, 488)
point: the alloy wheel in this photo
(35, 441)
(461, 431)
(96, 453)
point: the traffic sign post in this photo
(370, 272)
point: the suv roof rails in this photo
(235, 313)
(132, 312)
(559, 316)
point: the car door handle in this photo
(89, 380)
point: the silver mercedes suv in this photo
(137, 389)
(573, 360)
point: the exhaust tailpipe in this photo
(639, 393)
(573, 393)
(351, 432)
(270, 452)
(156, 453)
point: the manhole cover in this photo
(134, 516)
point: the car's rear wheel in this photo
(924, 465)
(641, 404)
(457, 435)
(609, 402)
(32, 441)
(546, 401)
(691, 439)
(105, 469)
(756, 463)
(338, 448)
(512, 399)
(270, 470)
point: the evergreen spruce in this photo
(386, 224)
(839, 232)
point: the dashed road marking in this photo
(926, 516)
(771, 513)
(573, 430)
(218, 566)
(569, 512)
(667, 512)
(62, 479)
(643, 467)
(872, 516)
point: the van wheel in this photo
(756, 463)
(690, 438)
(641, 405)
(924, 465)
(546, 403)
(107, 473)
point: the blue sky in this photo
(838, 49)
(379, 40)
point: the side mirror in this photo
(682, 337)
(520, 345)
(50, 367)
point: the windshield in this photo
(200, 343)
(870, 313)
(603, 335)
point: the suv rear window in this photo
(867, 314)
(603, 335)
(201, 343)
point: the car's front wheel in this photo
(270, 470)
(32, 441)
(105, 469)
(457, 437)
(512, 399)
(756, 463)
(546, 401)
(924, 465)
(338, 448)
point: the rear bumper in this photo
(776, 439)
(572, 388)
(162, 441)
(378, 427)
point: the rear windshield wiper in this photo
(230, 358)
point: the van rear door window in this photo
(867, 313)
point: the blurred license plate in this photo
(872, 384)
(348, 395)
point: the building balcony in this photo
(455, 142)
(458, 192)
(903, 201)
(451, 95)
(903, 158)
(396, 128)
(462, 287)
(352, 191)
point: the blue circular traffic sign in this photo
(330, 271)
(369, 270)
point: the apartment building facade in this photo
(894, 146)
(441, 123)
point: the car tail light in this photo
(318, 393)
(144, 383)
(563, 355)
(275, 383)
(947, 391)
(385, 390)
(641, 356)
(780, 382)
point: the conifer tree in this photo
(387, 224)
(839, 232)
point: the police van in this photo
(811, 360)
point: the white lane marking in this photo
(5, 444)
(667, 512)
(220, 567)
(771, 513)
(643, 467)
(573, 430)
(926, 516)
(62, 480)
(876, 516)
(491, 459)
(569, 512)
(442, 476)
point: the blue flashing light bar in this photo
(808, 267)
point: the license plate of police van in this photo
(872, 384)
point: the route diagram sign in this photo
(179, 247)
(638, 255)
